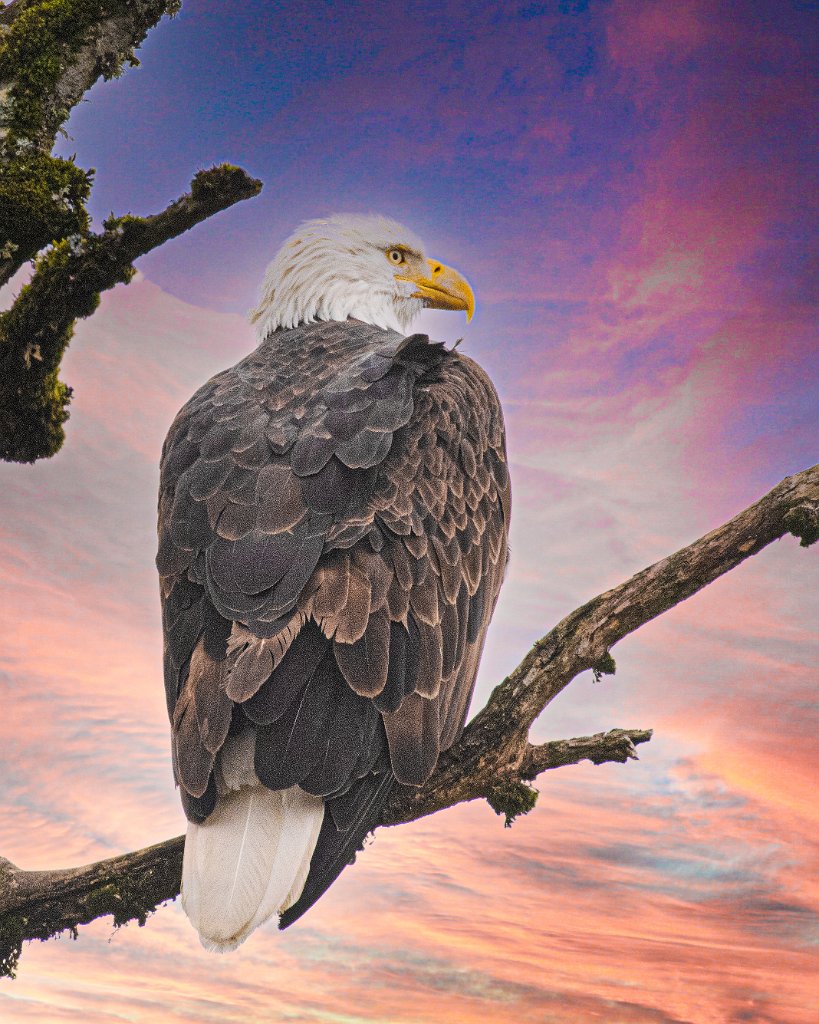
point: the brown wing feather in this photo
(265, 465)
(447, 471)
(333, 518)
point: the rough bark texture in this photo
(66, 286)
(493, 759)
(74, 42)
(51, 53)
(41, 904)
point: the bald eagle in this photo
(333, 519)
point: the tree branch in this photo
(493, 759)
(41, 904)
(88, 39)
(51, 53)
(66, 286)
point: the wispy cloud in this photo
(454, 914)
(622, 187)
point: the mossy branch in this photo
(51, 53)
(42, 904)
(493, 760)
(66, 286)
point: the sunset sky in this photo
(629, 187)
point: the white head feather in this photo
(338, 267)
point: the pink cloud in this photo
(583, 906)
(646, 34)
(674, 889)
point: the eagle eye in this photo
(396, 256)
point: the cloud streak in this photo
(635, 230)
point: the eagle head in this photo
(351, 265)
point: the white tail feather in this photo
(247, 860)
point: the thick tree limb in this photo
(67, 286)
(495, 740)
(91, 39)
(51, 53)
(41, 904)
(493, 759)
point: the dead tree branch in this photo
(493, 760)
(51, 53)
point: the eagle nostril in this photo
(437, 269)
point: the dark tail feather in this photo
(358, 814)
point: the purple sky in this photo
(629, 187)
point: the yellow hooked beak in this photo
(443, 288)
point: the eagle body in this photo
(333, 520)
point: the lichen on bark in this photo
(512, 798)
(51, 52)
(33, 400)
(66, 286)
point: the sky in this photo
(628, 186)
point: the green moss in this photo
(605, 667)
(207, 182)
(42, 198)
(11, 944)
(118, 898)
(123, 901)
(803, 522)
(42, 204)
(42, 41)
(34, 54)
(33, 400)
(98, 901)
(511, 799)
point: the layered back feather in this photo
(333, 520)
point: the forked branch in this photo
(51, 53)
